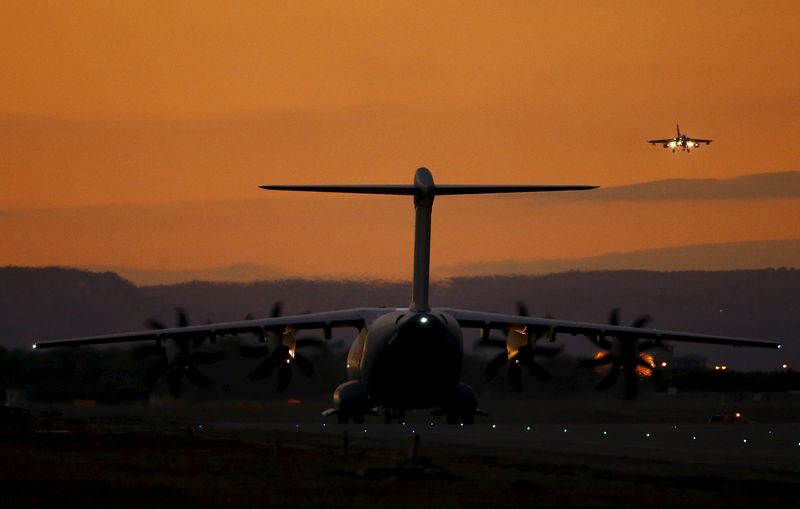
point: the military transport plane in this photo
(680, 141)
(411, 358)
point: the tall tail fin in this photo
(424, 191)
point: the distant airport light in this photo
(785, 366)
(663, 364)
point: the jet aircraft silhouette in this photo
(680, 141)
(409, 358)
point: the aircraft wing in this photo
(699, 140)
(551, 327)
(653, 142)
(357, 317)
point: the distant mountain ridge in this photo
(749, 255)
(236, 273)
(785, 184)
(727, 256)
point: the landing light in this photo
(424, 319)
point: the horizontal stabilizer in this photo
(439, 190)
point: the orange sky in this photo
(136, 133)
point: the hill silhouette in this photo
(49, 303)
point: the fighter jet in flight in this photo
(680, 141)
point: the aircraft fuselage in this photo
(410, 359)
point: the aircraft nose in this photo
(420, 366)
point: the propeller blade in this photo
(154, 372)
(196, 377)
(652, 343)
(515, 376)
(646, 365)
(631, 383)
(304, 365)
(174, 382)
(522, 309)
(152, 323)
(600, 361)
(183, 319)
(538, 372)
(254, 351)
(264, 370)
(613, 317)
(277, 309)
(495, 364)
(642, 321)
(609, 379)
(284, 377)
(183, 345)
(207, 358)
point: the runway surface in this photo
(736, 444)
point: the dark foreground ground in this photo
(180, 457)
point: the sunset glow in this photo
(136, 134)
